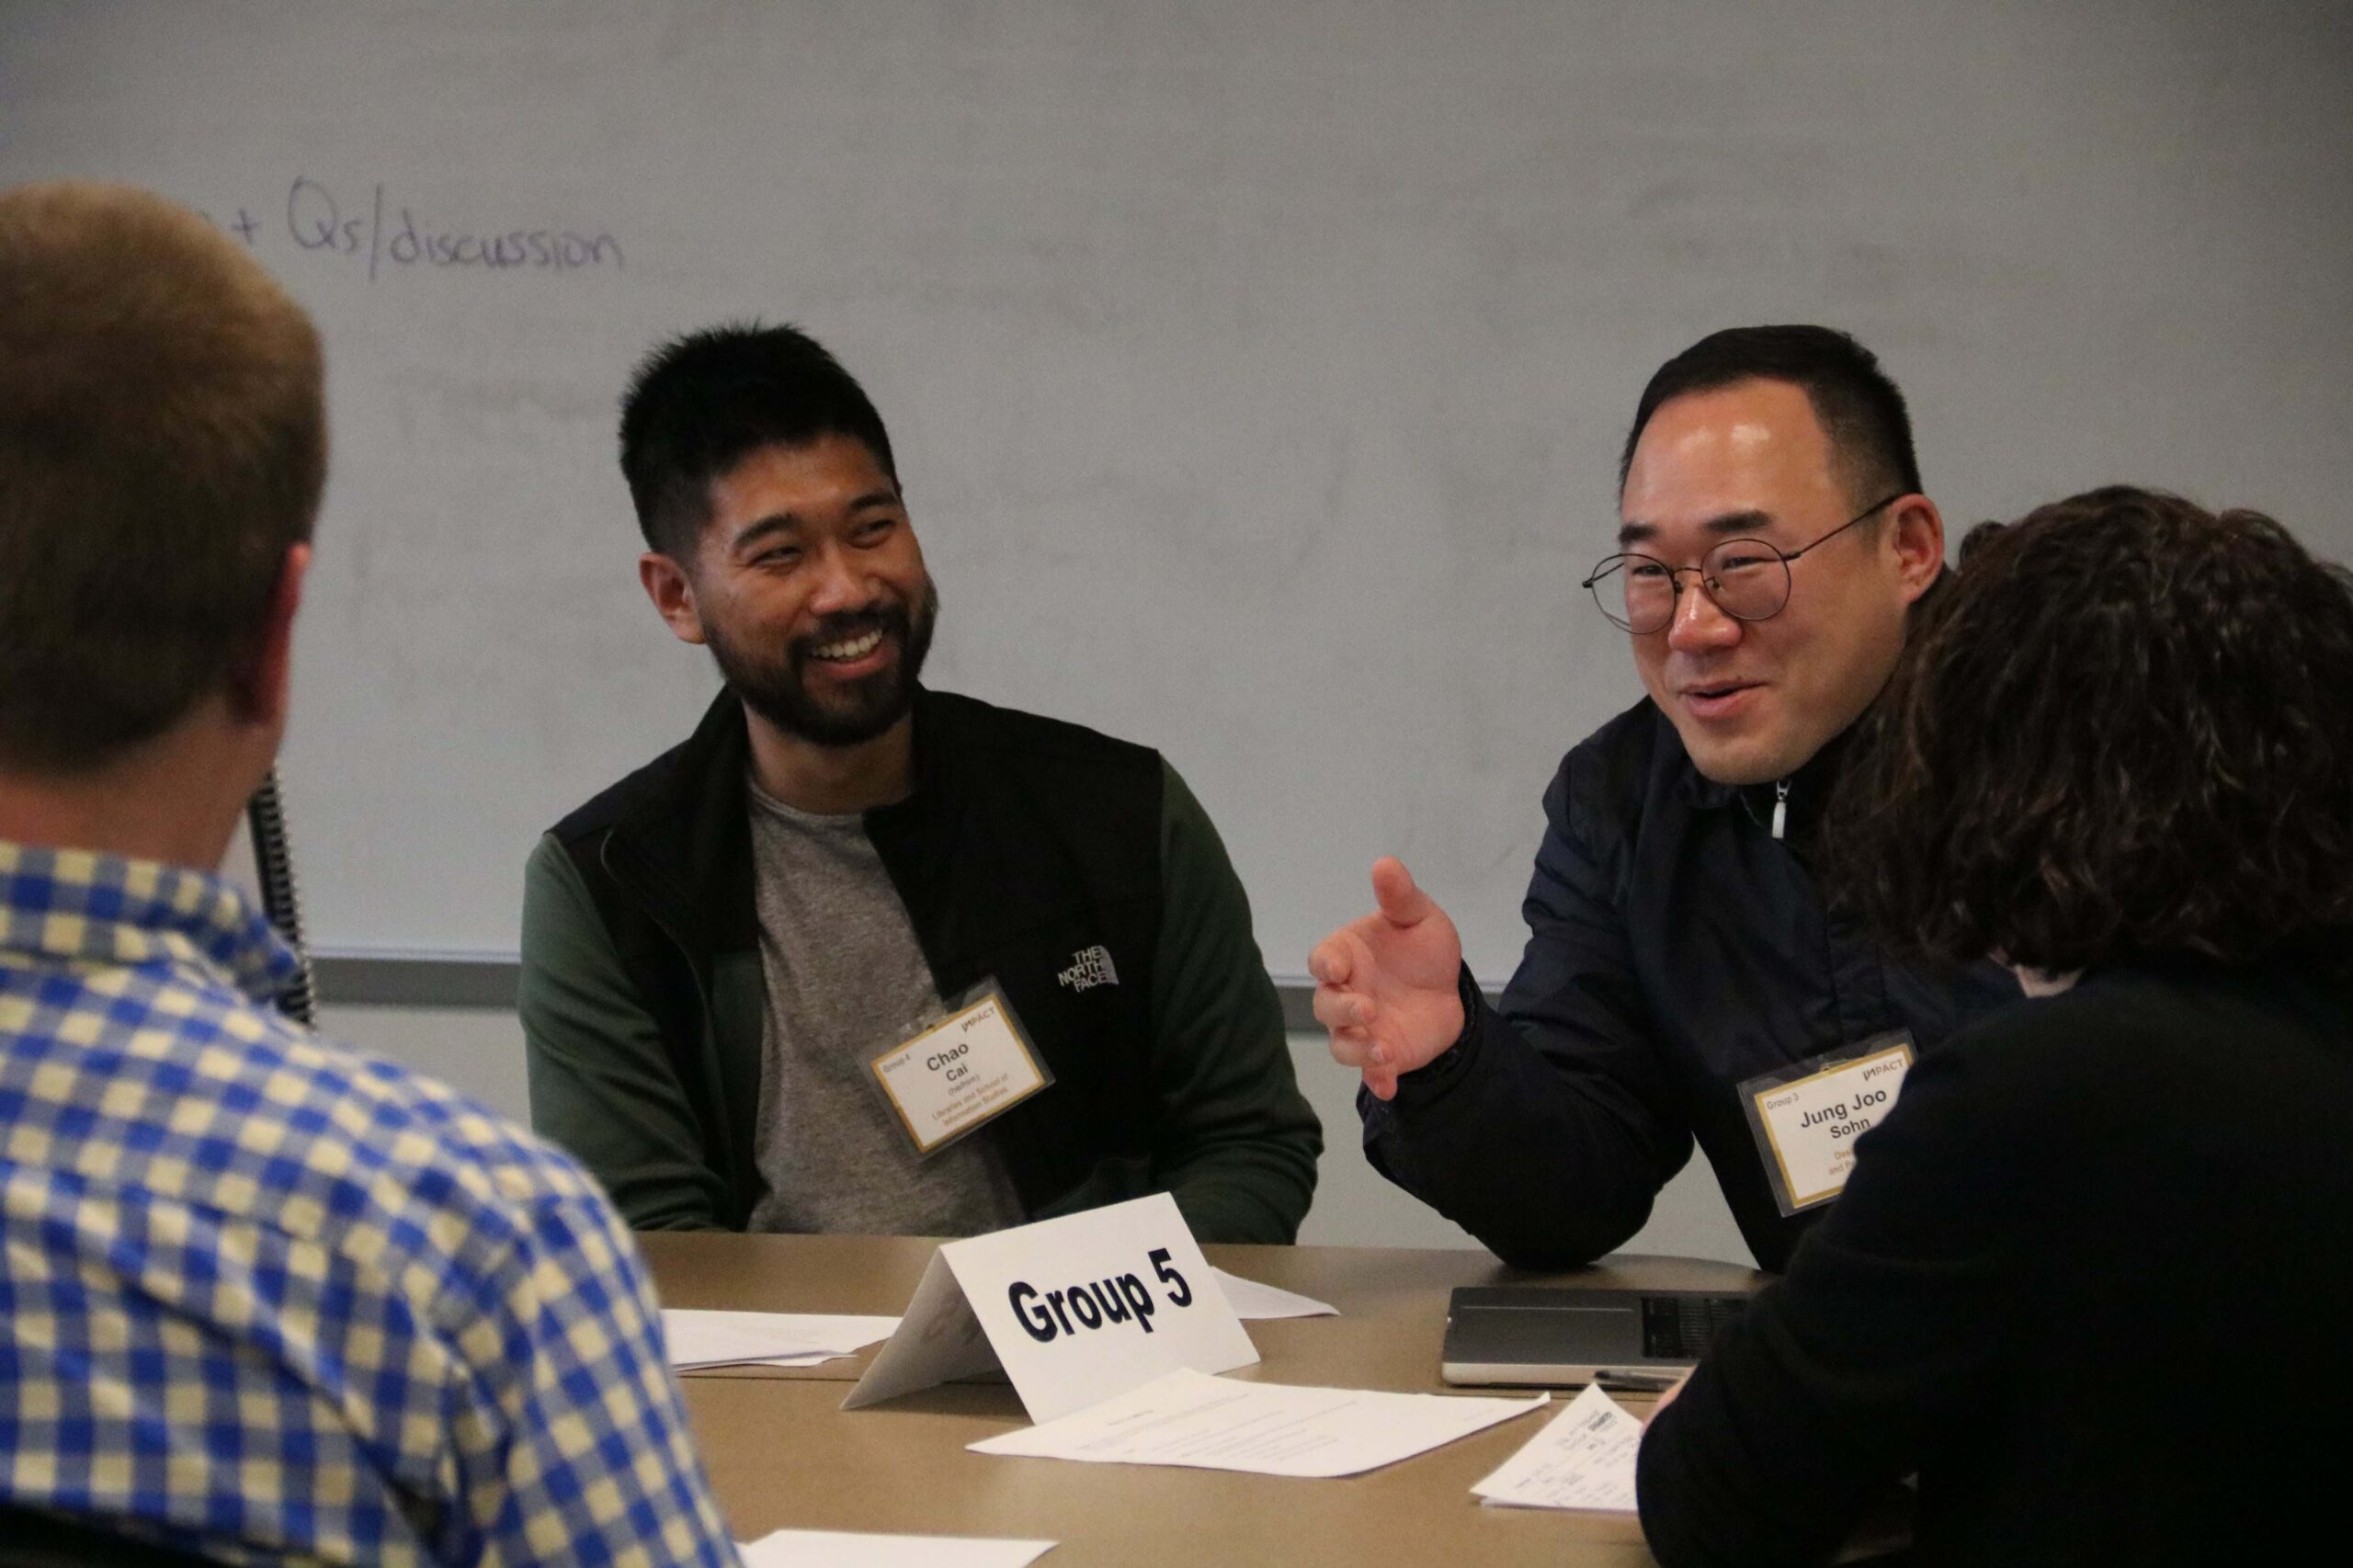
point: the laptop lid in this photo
(1548, 1335)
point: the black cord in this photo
(266, 817)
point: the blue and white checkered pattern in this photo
(262, 1297)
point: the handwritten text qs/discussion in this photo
(385, 233)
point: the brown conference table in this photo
(782, 1453)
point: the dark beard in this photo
(777, 690)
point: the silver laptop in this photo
(1548, 1335)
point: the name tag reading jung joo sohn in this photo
(1807, 1117)
(966, 1070)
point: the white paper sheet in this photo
(702, 1339)
(1583, 1459)
(835, 1548)
(1253, 1301)
(1192, 1418)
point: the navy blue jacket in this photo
(1675, 949)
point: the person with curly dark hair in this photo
(2089, 1279)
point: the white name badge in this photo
(1806, 1117)
(971, 1067)
(1074, 1309)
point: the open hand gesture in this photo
(1385, 984)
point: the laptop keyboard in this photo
(1680, 1327)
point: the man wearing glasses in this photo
(1684, 977)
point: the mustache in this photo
(887, 619)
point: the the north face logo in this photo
(1089, 968)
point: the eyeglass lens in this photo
(1746, 578)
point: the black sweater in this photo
(2092, 1281)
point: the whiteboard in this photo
(1256, 370)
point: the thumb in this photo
(1401, 903)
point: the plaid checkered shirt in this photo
(262, 1297)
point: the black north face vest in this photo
(1029, 853)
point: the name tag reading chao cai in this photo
(957, 1074)
(1806, 1117)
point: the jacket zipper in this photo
(1780, 807)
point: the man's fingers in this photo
(1351, 1048)
(1402, 903)
(1329, 963)
(1336, 1008)
(1382, 1082)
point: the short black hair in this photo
(2125, 733)
(1859, 407)
(703, 403)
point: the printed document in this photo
(1185, 1418)
(699, 1338)
(1252, 1301)
(836, 1549)
(1583, 1459)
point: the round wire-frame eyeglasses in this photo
(1747, 578)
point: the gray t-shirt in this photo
(846, 981)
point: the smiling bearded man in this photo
(1683, 969)
(723, 953)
